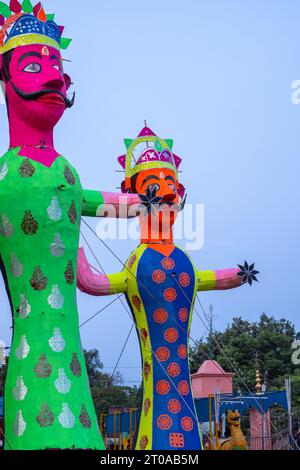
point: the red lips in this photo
(53, 99)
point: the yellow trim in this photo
(28, 39)
(145, 428)
(143, 166)
(118, 282)
(154, 164)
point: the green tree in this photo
(244, 347)
(108, 391)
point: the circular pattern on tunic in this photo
(170, 294)
(183, 314)
(160, 316)
(171, 335)
(164, 422)
(174, 406)
(187, 423)
(183, 387)
(173, 369)
(162, 354)
(168, 264)
(182, 351)
(184, 280)
(163, 387)
(158, 276)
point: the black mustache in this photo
(37, 94)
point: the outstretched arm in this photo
(98, 284)
(219, 280)
(226, 278)
(113, 205)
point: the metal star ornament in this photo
(150, 200)
(248, 273)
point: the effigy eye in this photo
(34, 67)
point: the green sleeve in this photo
(92, 202)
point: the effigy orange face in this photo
(161, 180)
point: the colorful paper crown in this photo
(23, 24)
(148, 151)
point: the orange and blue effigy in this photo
(161, 283)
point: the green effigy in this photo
(47, 398)
(48, 404)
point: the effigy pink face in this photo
(38, 86)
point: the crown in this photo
(148, 151)
(23, 24)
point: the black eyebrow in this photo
(29, 54)
(55, 58)
(151, 177)
(169, 177)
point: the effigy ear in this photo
(68, 80)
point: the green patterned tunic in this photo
(47, 396)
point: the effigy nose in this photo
(57, 84)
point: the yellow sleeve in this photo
(206, 280)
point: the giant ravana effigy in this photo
(47, 397)
(161, 283)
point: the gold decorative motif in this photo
(38, 281)
(147, 405)
(75, 365)
(45, 417)
(3, 171)
(72, 213)
(144, 441)
(62, 383)
(69, 176)
(54, 210)
(43, 369)
(6, 228)
(56, 299)
(147, 370)
(19, 425)
(29, 224)
(69, 273)
(24, 307)
(23, 349)
(66, 418)
(84, 418)
(57, 342)
(20, 390)
(57, 248)
(15, 266)
(26, 170)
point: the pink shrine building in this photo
(211, 378)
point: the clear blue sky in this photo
(216, 76)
